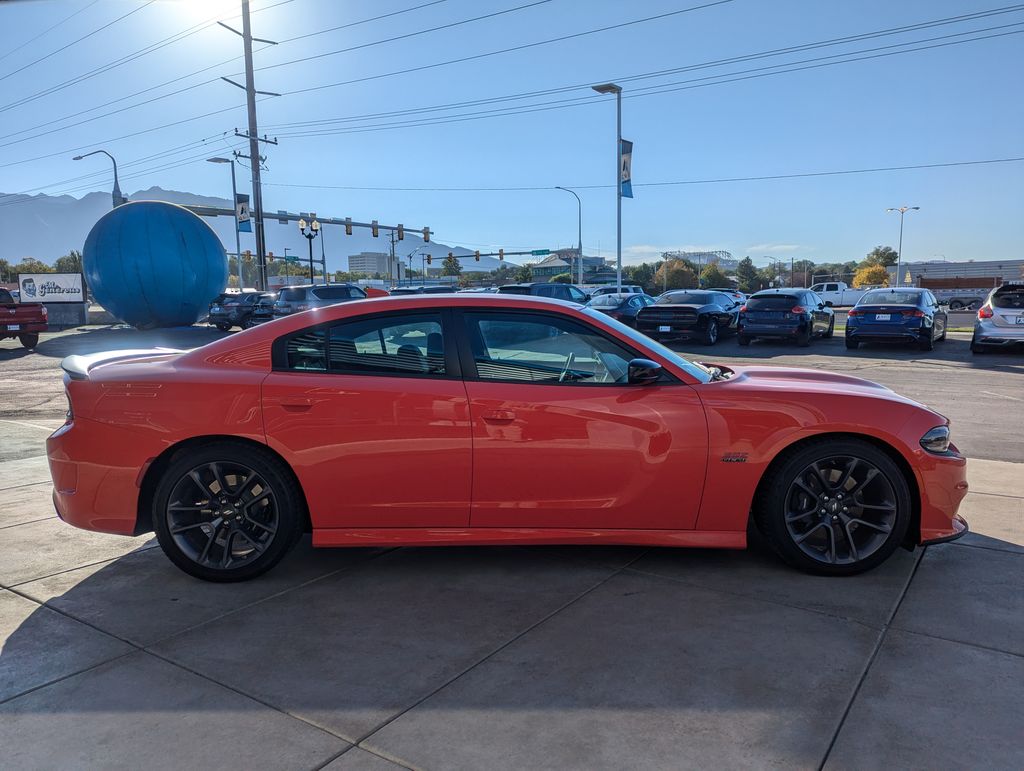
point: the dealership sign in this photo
(51, 287)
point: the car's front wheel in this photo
(830, 332)
(710, 336)
(226, 512)
(223, 327)
(834, 507)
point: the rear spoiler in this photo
(77, 367)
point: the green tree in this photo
(503, 274)
(747, 274)
(871, 275)
(675, 274)
(562, 278)
(7, 272)
(712, 275)
(642, 275)
(69, 263)
(881, 255)
(451, 266)
(31, 265)
(524, 274)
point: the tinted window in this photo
(5, 296)
(887, 297)
(772, 302)
(437, 290)
(831, 287)
(543, 349)
(1009, 298)
(635, 302)
(684, 298)
(293, 295)
(512, 289)
(308, 351)
(576, 295)
(333, 293)
(389, 344)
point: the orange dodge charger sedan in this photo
(471, 419)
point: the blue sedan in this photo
(900, 314)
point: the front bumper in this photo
(942, 480)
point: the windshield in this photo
(887, 297)
(684, 298)
(697, 372)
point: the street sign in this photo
(540, 252)
(291, 258)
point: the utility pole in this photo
(392, 265)
(254, 139)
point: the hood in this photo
(796, 380)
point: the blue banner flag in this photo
(625, 176)
(242, 213)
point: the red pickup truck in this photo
(21, 320)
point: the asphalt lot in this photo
(518, 657)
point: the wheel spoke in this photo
(794, 516)
(803, 536)
(881, 528)
(859, 487)
(849, 540)
(204, 555)
(825, 484)
(240, 490)
(183, 528)
(180, 507)
(877, 506)
(262, 496)
(799, 482)
(259, 547)
(225, 557)
(260, 525)
(846, 474)
(194, 476)
(219, 479)
(832, 544)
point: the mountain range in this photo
(47, 227)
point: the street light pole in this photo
(234, 203)
(612, 88)
(310, 232)
(899, 249)
(116, 193)
(579, 227)
(287, 272)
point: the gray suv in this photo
(294, 299)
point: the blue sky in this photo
(949, 104)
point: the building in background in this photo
(566, 261)
(726, 262)
(375, 263)
(968, 273)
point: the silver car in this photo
(293, 299)
(1000, 321)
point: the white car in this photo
(1000, 321)
(613, 289)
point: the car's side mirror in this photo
(828, 304)
(644, 371)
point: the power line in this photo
(711, 80)
(76, 42)
(720, 180)
(49, 29)
(509, 50)
(660, 73)
(361, 21)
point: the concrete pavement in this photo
(509, 657)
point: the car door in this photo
(561, 440)
(819, 312)
(373, 416)
(939, 317)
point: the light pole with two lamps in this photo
(310, 230)
(899, 250)
(612, 88)
(116, 193)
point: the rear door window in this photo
(293, 295)
(333, 293)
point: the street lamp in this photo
(310, 230)
(579, 226)
(899, 251)
(612, 88)
(234, 204)
(118, 198)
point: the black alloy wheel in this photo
(711, 332)
(831, 328)
(227, 512)
(835, 507)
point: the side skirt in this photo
(479, 536)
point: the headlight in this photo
(936, 440)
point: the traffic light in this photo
(430, 259)
(348, 226)
(476, 255)
(401, 232)
(501, 254)
(374, 231)
(426, 235)
(270, 256)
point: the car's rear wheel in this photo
(710, 336)
(226, 512)
(834, 507)
(803, 339)
(223, 327)
(927, 343)
(955, 305)
(743, 339)
(29, 340)
(852, 344)
(977, 347)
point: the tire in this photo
(710, 336)
(248, 324)
(743, 339)
(928, 343)
(814, 478)
(804, 340)
(977, 347)
(831, 329)
(223, 327)
(254, 534)
(955, 305)
(852, 344)
(29, 340)
(945, 328)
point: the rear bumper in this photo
(989, 334)
(30, 326)
(768, 330)
(882, 335)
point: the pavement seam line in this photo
(871, 660)
(499, 649)
(988, 548)
(29, 522)
(989, 648)
(80, 567)
(391, 760)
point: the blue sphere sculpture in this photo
(154, 264)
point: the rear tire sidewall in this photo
(769, 507)
(286, 491)
(743, 339)
(852, 344)
(803, 339)
(831, 329)
(711, 332)
(29, 340)
(224, 327)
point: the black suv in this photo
(234, 309)
(566, 292)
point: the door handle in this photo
(499, 416)
(294, 403)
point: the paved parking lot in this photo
(518, 657)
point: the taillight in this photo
(984, 312)
(45, 312)
(918, 314)
(798, 309)
(743, 309)
(854, 313)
